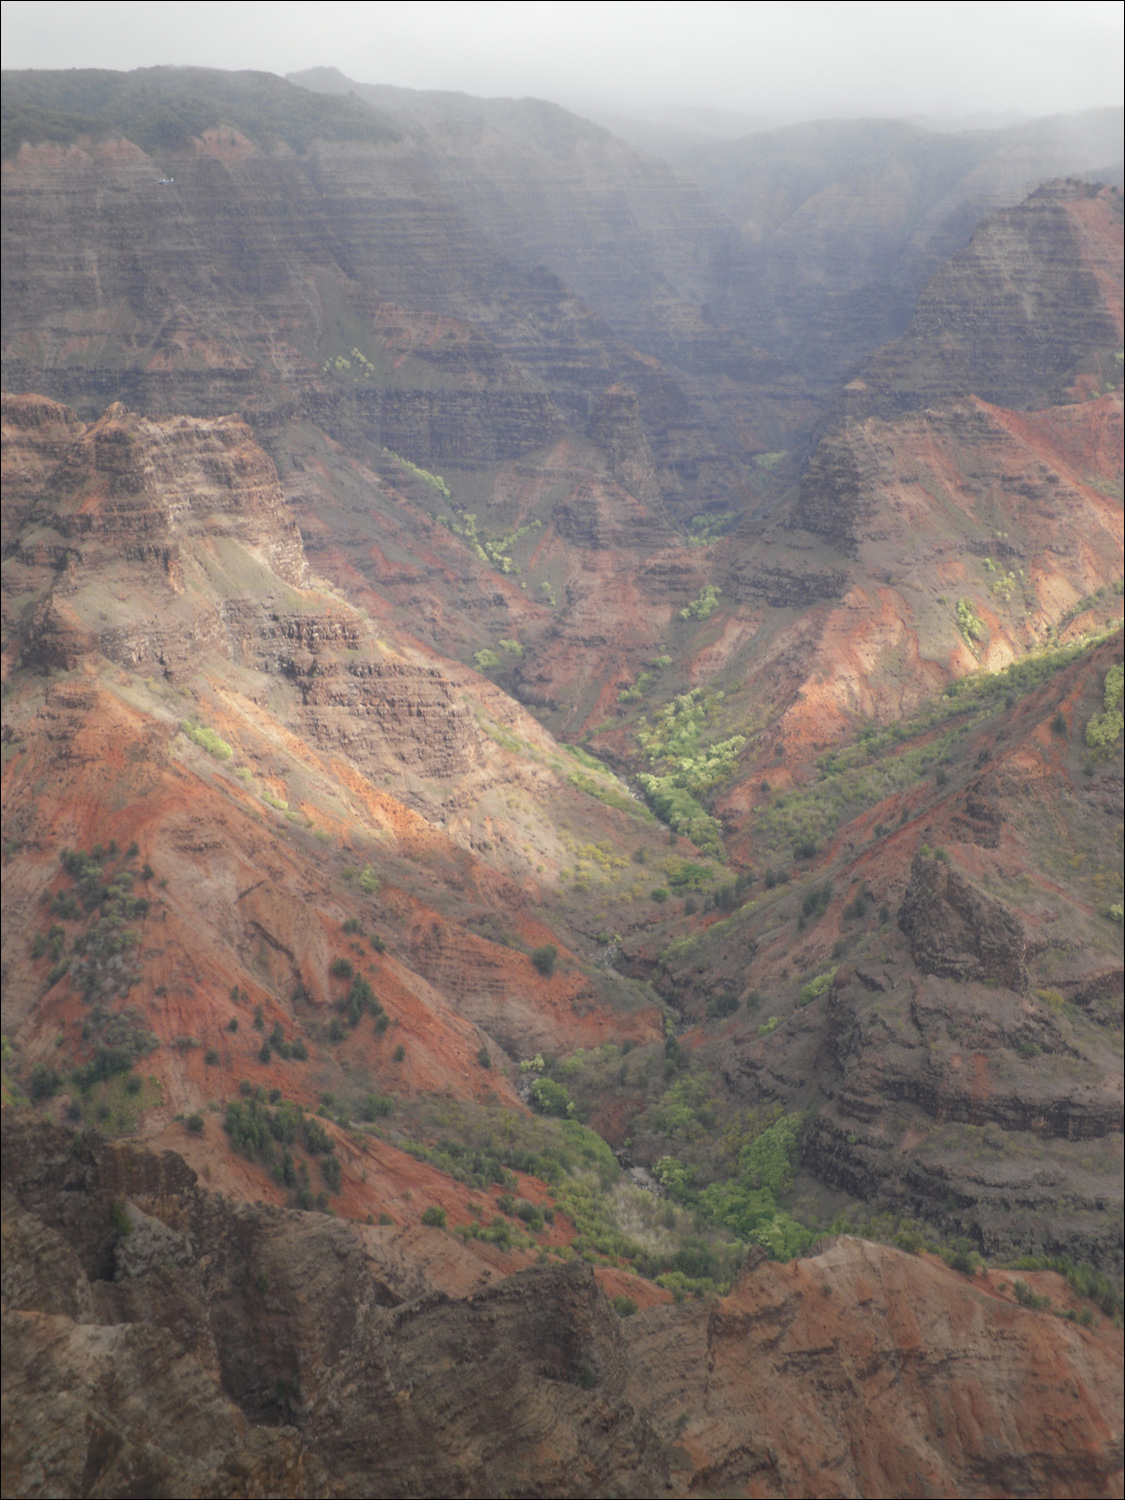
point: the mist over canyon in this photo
(563, 800)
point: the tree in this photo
(545, 958)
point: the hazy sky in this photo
(779, 60)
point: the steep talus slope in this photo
(317, 1366)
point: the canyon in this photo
(562, 799)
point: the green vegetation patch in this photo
(435, 481)
(703, 607)
(495, 551)
(1104, 729)
(269, 1135)
(209, 740)
(685, 767)
(749, 1203)
(882, 762)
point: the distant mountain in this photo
(847, 220)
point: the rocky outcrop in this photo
(785, 587)
(34, 435)
(160, 1337)
(958, 931)
(616, 428)
(465, 427)
(138, 486)
(374, 709)
(838, 488)
(795, 1361)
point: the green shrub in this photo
(817, 987)
(317, 1140)
(722, 1005)
(856, 909)
(376, 1107)
(434, 1217)
(624, 1306)
(968, 624)
(207, 739)
(43, 1084)
(107, 1062)
(1027, 1298)
(704, 606)
(194, 1123)
(544, 958)
(961, 1257)
(551, 1098)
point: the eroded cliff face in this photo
(1033, 299)
(289, 1352)
(844, 222)
(142, 1313)
(278, 285)
(409, 312)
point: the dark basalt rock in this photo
(220, 1348)
(957, 931)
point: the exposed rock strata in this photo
(795, 1362)
(291, 1353)
(958, 931)
(284, 1340)
(1033, 299)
